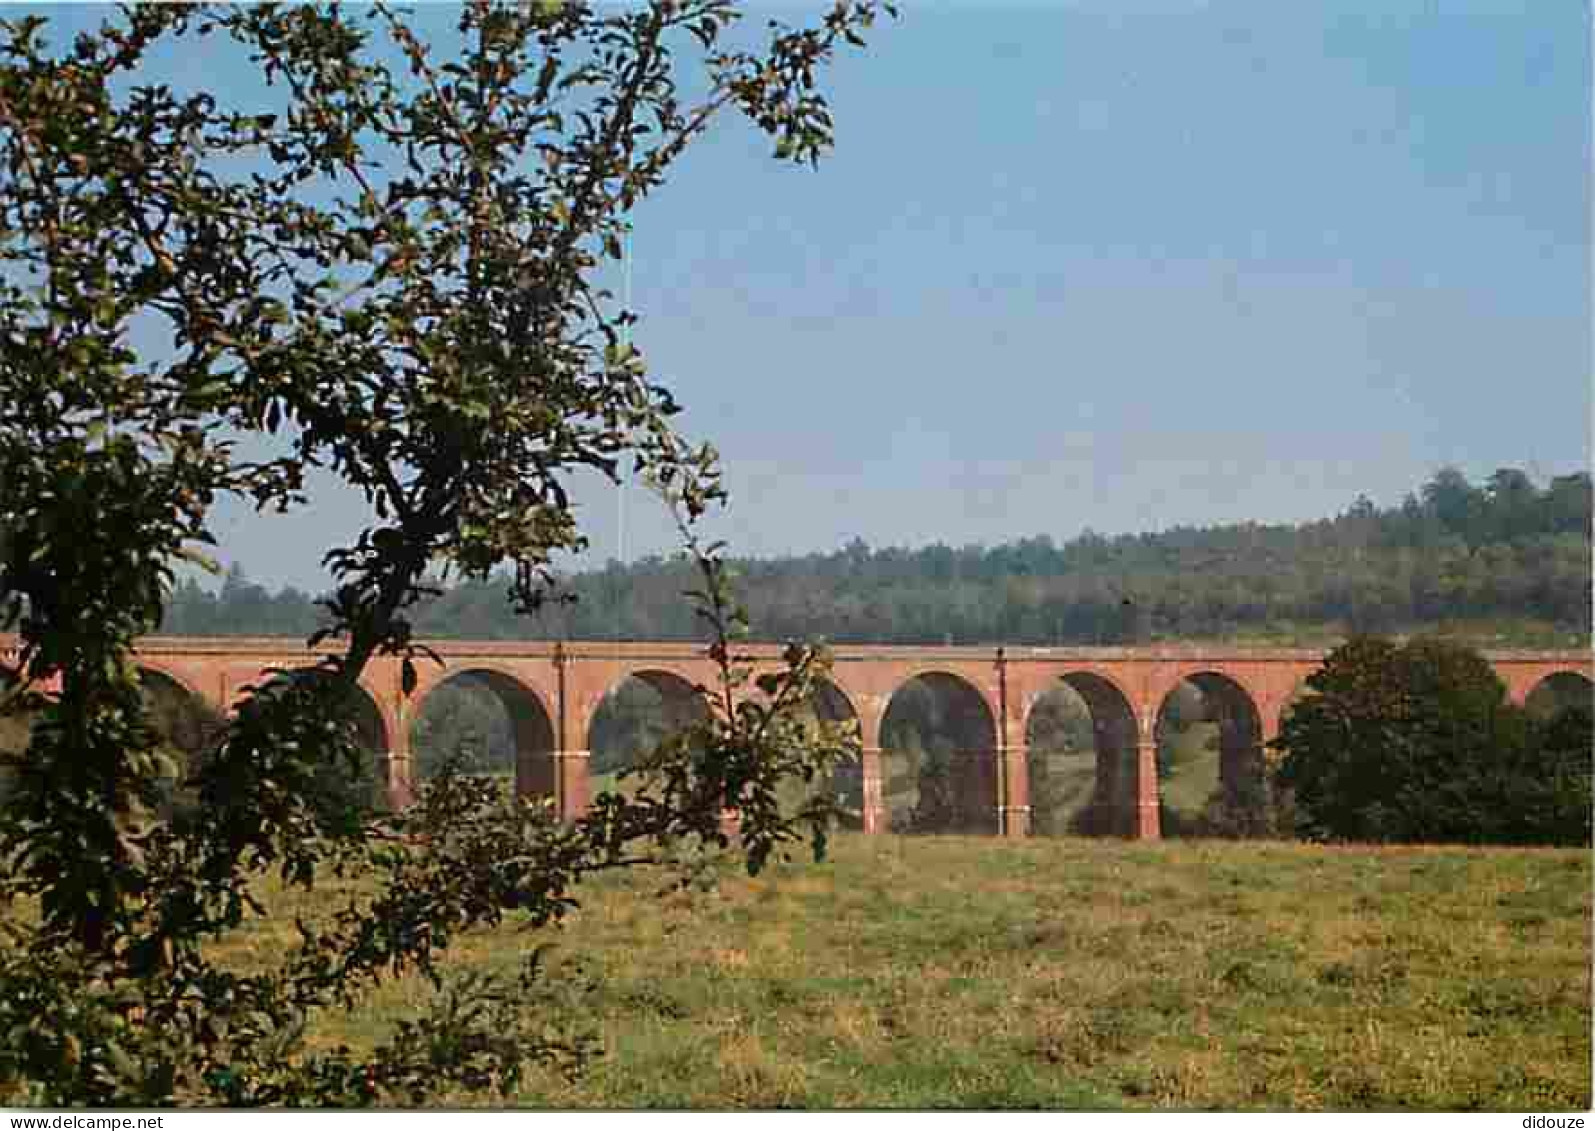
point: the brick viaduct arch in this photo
(553, 691)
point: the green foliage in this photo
(1508, 568)
(392, 271)
(1551, 795)
(1417, 742)
(1395, 570)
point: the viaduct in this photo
(552, 693)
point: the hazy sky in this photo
(1119, 265)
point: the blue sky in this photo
(1118, 265)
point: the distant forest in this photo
(1502, 562)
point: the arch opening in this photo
(364, 786)
(1211, 773)
(1080, 755)
(370, 786)
(632, 719)
(486, 724)
(180, 716)
(1560, 692)
(939, 758)
(845, 785)
(16, 730)
(187, 726)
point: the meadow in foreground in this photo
(1060, 973)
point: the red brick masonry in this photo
(553, 690)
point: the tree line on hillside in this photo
(1507, 553)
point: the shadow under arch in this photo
(636, 714)
(492, 723)
(1558, 692)
(371, 733)
(939, 757)
(188, 725)
(370, 728)
(367, 785)
(16, 726)
(1080, 737)
(829, 704)
(179, 713)
(1211, 772)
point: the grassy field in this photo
(1056, 973)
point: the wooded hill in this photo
(1502, 562)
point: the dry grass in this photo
(962, 972)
